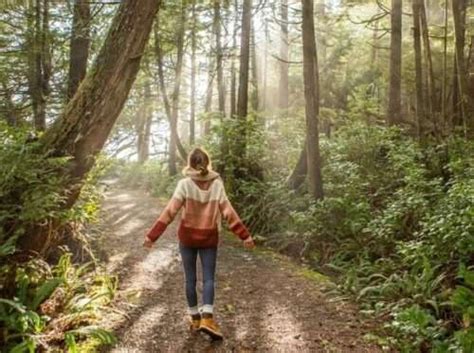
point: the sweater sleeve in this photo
(230, 215)
(168, 214)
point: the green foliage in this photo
(152, 176)
(62, 301)
(29, 184)
(39, 303)
(396, 223)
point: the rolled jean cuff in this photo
(193, 310)
(207, 308)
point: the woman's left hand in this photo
(147, 243)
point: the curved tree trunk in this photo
(84, 126)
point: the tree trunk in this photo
(84, 126)
(283, 63)
(39, 61)
(80, 43)
(242, 98)
(471, 78)
(298, 175)
(444, 99)
(209, 93)
(171, 107)
(254, 100)
(144, 124)
(394, 102)
(219, 57)
(432, 102)
(233, 84)
(176, 94)
(464, 101)
(420, 118)
(192, 113)
(311, 94)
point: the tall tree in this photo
(219, 57)
(463, 100)
(311, 95)
(418, 64)
(192, 113)
(80, 43)
(144, 122)
(284, 57)
(242, 98)
(82, 129)
(175, 97)
(39, 60)
(172, 107)
(233, 69)
(254, 99)
(394, 96)
(432, 101)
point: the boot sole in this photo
(214, 335)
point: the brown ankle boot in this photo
(210, 327)
(195, 322)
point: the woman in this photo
(203, 198)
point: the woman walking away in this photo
(203, 198)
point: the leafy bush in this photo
(44, 306)
(52, 305)
(396, 223)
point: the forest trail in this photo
(263, 303)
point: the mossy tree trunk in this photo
(311, 95)
(82, 129)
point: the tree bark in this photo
(420, 118)
(311, 94)
(464, 101)
(219, 57)
(255, 99)
(233, 84)
(432, 102)
(171, 108)
(300, 171)
(144, 124)
(88, 118)
(80, 43)
(176, 94)
(283, 63)
(192, 113)
(394, 102)
(39, 61)
(242, 99)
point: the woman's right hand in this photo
(249, 243)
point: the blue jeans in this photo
(208, 258)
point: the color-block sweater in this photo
(205, 203)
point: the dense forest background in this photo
(343, 131)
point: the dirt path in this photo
(262, 303)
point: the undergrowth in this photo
(53, 305)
